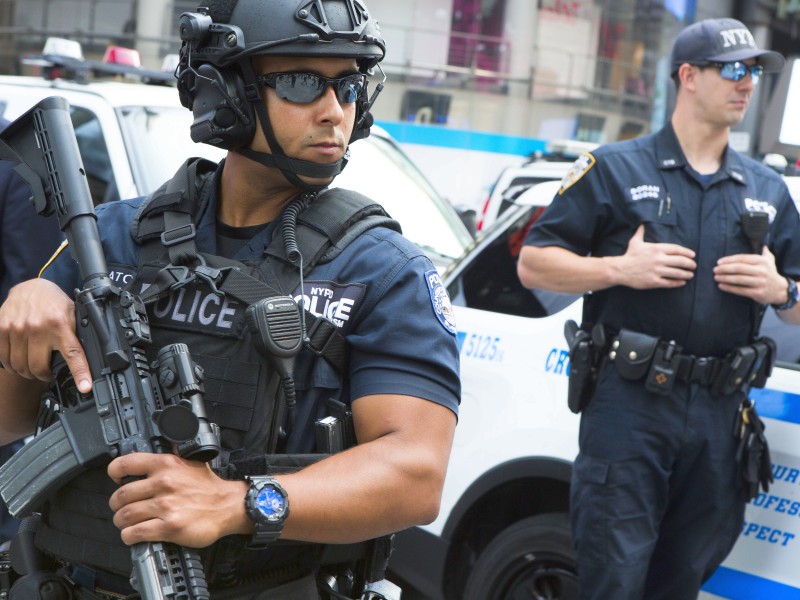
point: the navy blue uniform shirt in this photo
(383, 293)
(611, 191)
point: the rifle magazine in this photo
(37, 470)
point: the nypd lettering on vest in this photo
(335, 302)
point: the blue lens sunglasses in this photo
(736, 71)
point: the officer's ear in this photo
(687, 76)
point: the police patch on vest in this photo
(441, 301)
(333, 301)
(121, 275)
(195, 307)
(578, 169)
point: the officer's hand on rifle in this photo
(37, 319)
(648, 265)
(175, 500)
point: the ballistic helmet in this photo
(216, 79)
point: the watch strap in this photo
(792, 295)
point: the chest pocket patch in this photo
(653, 206)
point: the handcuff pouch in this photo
(632, 353)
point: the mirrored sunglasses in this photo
(307, 87)
(736, 71)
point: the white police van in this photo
(503, 530)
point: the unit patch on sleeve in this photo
(441, 301)
(578, 169)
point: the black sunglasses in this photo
(307, 87)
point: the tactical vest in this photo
(200, 299)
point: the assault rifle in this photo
(134, 406)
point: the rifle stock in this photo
(127, 411)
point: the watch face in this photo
(271, 503)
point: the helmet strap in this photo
(290, 167)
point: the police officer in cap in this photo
(282, 85)
(678, 242)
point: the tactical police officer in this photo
(678, 242)
(282, 85)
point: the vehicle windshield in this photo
(380, 170)
(158, 142)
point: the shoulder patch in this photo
(440, 301)
(578, 169)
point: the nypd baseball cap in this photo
(721, 40)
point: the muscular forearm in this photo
(559, 270)
(369, 491)
(390, 481)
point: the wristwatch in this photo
(267, 505)
(794, 296)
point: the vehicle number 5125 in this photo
(483, 347)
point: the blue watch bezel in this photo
(266, 499)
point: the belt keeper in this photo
(701, 367)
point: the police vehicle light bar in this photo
(63, 59)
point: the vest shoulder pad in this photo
(342, 215)
(180, 194)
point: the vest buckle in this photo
(211, 276)
(178, 235)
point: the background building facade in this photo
(472, 73)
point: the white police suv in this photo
(515, 180)
(503, 530)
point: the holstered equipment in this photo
(752, 454)
(585, 359)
